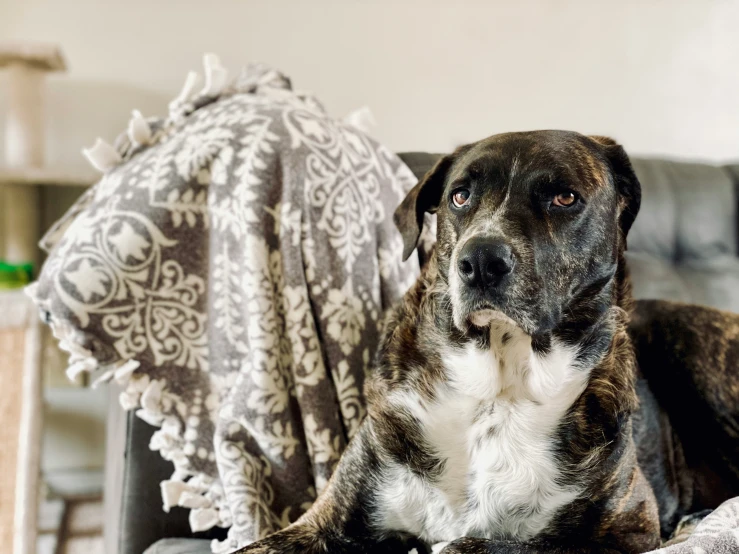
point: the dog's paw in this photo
(255, 548)
(465, 546)
(454, 547)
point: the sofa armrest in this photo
(419, 162)
(142, 520)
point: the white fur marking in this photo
(493, 424)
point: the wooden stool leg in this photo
(29, 445)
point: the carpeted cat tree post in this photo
(21, 411)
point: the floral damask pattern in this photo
(232, 275)
(718, 532)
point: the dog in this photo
(507, 412)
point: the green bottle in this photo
(15, 276)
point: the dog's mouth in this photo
(484, 317)
(475, 309)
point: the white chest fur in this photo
(493, 424)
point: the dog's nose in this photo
(485, 262)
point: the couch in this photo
(683, 247)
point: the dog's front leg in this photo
(340, 521)
(486, 546)
(302, 538)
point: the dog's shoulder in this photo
(413, 338)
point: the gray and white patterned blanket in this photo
(718, 533)
(230, 270)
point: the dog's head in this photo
(528, 223)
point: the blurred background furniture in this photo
(682, 247)
(24, 151)
(22, 353)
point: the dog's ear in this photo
(424, 197)
(625, 180)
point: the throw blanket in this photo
(718, 533)
(230, 271)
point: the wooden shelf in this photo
(63, 176)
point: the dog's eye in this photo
(460, 197)
(565, 199)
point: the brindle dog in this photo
(507, 412)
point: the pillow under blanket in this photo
(231, 270)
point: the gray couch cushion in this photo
(713, 283)
(655, 278)
(179, 546)
(655, 234)
(683, 244)
(688, 211)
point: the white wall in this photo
(661, 76)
